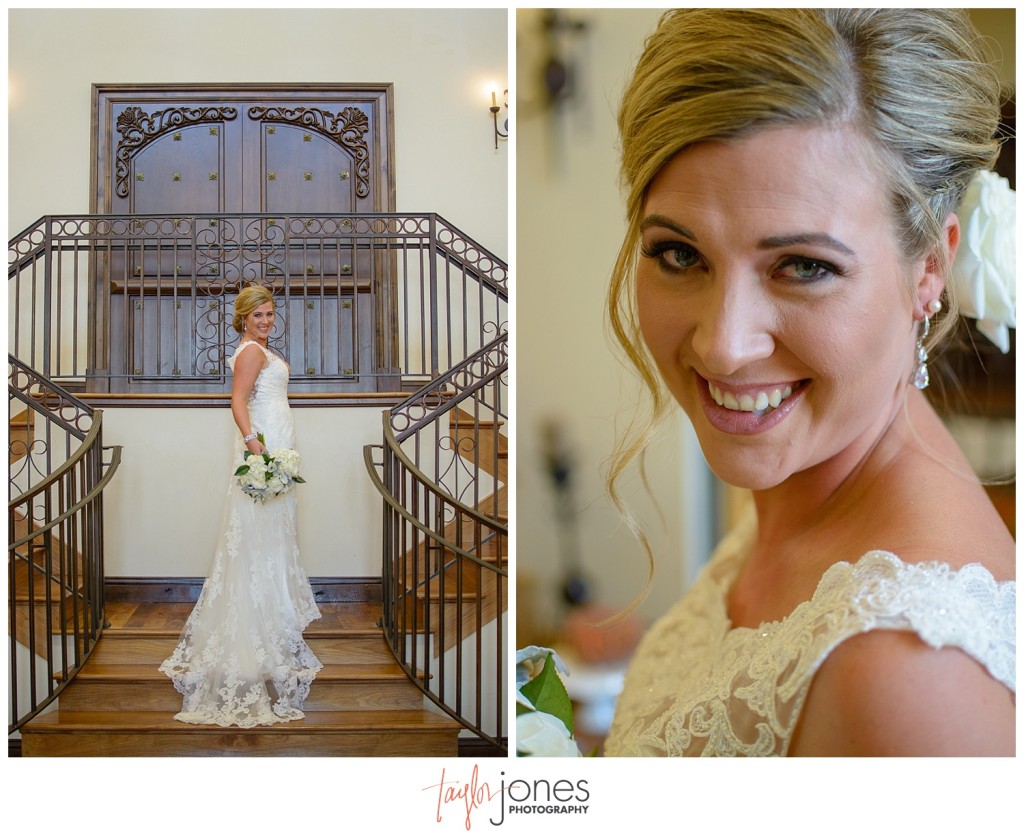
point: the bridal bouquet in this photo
(266, 475)
(544, 719)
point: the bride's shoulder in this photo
(243, 356)
(937, 515)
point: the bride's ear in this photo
(932, 280)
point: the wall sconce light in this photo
(495, 109)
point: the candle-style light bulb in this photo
(494, 98)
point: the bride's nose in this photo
(733, 325)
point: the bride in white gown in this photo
(241, 659)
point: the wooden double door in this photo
(163, 284)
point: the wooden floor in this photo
(168, 618)
(120, 704)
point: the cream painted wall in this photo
(164, 506)
(442, 63)
(569, 225)
(166, 500)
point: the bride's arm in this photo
(248, 365)
(886, 693)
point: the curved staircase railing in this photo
(442, 470)
(55, 538)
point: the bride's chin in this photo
(740, 469)
(744, 479)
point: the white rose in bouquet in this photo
(542, 734)
(257, 473)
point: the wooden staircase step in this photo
(413, 732)
(136, 686)
(459, 417)
(343, 619)
(153, 648)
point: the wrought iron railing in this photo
(367, 302)
(141, 304)
(442, 470)
(55, 539)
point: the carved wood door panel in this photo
(163, 292)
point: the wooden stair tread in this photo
(463, 418)
(152, 643)
(317, 720)
(338, 618)
(94, 672)
(175, 632)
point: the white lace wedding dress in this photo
(699, 687)
(241, 659)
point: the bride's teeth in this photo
(748, 403)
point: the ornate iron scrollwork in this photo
(346, 129)
(139, 128)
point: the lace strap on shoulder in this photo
(238, 351)
(966, 608)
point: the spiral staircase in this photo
(413, 314)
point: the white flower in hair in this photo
(984, 276)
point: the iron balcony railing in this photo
(55, 539)
(143, 303)
(442, 471)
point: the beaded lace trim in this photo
(697, 686)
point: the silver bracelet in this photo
(249, 438)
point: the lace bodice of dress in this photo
(698, 687)
(269, 413)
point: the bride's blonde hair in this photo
(915, 82)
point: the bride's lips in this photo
(741, 421)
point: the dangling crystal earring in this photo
(920, 377)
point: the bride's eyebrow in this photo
(819, 239)
(661, 221)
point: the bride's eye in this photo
(672, 255)
(806, 270)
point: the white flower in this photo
(542, 734)
(984, 276)
(529, 663)
(257, 472)
(287, 462)
(277, 484)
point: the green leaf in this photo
(261, 439)
(548, 694)
(244, 469)
(299, 480)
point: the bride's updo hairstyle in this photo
(916, 83)
(249, 300)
